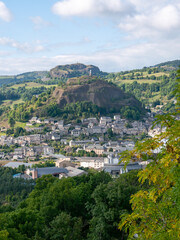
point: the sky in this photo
(114, 35)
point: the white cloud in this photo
(135, 56)
(154, 21)
(92, 7)
(5, 13)
(39, 22)
(24, 47)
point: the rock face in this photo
(99, 92)
(74, 70)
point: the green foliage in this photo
(11, 122)
(156, 211)
(109, 201)
(49, 163)
(79, 208)
(18, 131)
(131, 113)
(65, 227)
(12, 190)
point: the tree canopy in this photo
(156, 211)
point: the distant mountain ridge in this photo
(72, 70)
(169, 65)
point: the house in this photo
(79, 143)
(89, 120)
(39, 172)
(76, 132)
(2, 154)
(116, 169)
(98, 149)
(34, 139)
(48, 150)
(46, 121)
(105, 120)
(64, 141)
(35, 120)
(91, 162)
(36, 129)
(111, 159)
(97, 129)
(60, 124)
(4, 140)
(117, 118)
(55, 136)
(64, 163)
(33, 151)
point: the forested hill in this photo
(80, 98)
(75, 70)
(169, 65)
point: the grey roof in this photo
(17, 164)
(89, 158)
(50, 170)
(57, 155)
(116, 167)
(72, 172)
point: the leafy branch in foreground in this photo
(156, 211)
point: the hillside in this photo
(24, 77)
(99, 92)
(75, 70)
(152, 86)
(170, 65)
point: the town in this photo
(75, 147)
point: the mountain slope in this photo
(96, 91)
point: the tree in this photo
(110, 132)
(65, 227)
(11, 122)
(156, 211)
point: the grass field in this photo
(6, 77)
(120, 81)
(20, 124)
(11, 102)
(29, 85)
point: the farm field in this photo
(29, 85)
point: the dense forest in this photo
(86, 207)
(12, 190)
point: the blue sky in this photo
(114, 35)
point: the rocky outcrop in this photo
(99, 92)
(74, 70)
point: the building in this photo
(105, 120)
(64, 163)
(2, 154)
(74, 172)
(54, 171)
(17, 164)
(98, 149)
(88, 162)
(76, 132)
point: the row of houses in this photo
(22, 152)
(92, 126)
